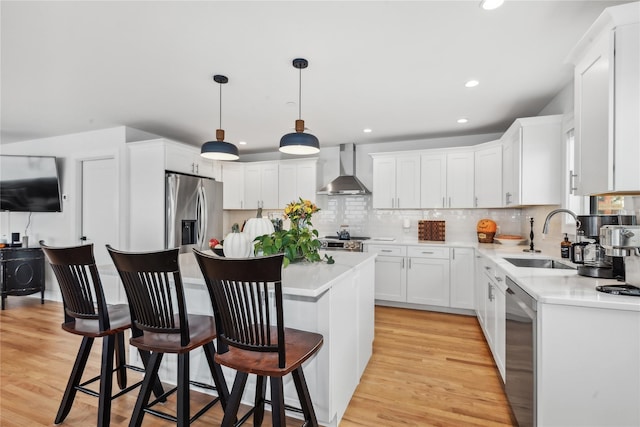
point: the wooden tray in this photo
(431, 230)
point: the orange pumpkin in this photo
(486, 226)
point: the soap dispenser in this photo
(565, 247)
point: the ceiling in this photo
(395, 67)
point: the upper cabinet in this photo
(187, 159)
(460, 179)
(607, 105)
(261, 185)
(488, 175)
(268, 185)
(447, 179)
(396, 181)
(532, 162)
(297, 178)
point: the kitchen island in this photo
(335, 300)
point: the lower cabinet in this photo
(490, 307)
(436, 276)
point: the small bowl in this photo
(509, 242)
(218, 251)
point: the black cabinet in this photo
(21, 272)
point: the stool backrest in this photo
(79, 281)
(246, 295)
(154, 290)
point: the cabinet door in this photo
(462, 278)
(253, 186)
(408, 182)
(479, 291)
(428, 281)
(306, 180)
(488, 177)
(233, 185)
(287, 183)
(460, 180)
(490, 312)
(269, 186)
(391, 278)
(499, 343)
(592, 92)
(511, 168)
(433, 181)
(384, 182)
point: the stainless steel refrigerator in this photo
(193, 211)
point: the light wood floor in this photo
(427, 369)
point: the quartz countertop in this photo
(301, 279)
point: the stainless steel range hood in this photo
(347, 183)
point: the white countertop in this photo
(547, 285)
(300, 279)
(413, 241)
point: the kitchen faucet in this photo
(545, 228)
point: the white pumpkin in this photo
(236, 244)
(258, 227)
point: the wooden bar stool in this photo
(252, 339)
(86, 313)
(161, 324)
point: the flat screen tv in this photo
(29, 184)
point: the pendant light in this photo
(219, 150)
(299, 142)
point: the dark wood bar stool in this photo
(252, 339)
(86, 313)
(161, 324)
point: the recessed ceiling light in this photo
(463, 120)
(491, 4)
(242, 142)
(472, 83)
(367, 130)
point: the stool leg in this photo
(183, 412)
(217, 375)
(261, 389)
(304, 397)
(74, 379)
(150, 377)
(277, 402)
(231, 413)
(106, 380)
(121, 361)
(158, 390)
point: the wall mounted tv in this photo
(29, 184)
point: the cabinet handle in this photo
(403, 263)
(449, 201)
(409, 262)
(241, 204)
(427, 252)
(386, 250)
(487, 268)
(453, 253)
(393, 202)
(507, 198)
(197, 168)
(498, 279)
(476, 202)
(572, 187)
(443, 203)
(490, 287)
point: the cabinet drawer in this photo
(387, 250)
(439, 252)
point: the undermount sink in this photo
(538, 263)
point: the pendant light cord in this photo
(220, 118)
(300, 94)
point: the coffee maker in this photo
(587, 252)
(623, 242)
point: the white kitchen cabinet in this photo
(462, 278)
(490, 284)
(447, 179)
(233, 185)
(391, 276)
(396, 181)
(532, 162)
(187, 159)
(488, 175)
(261, 185)
(428, 276)
(297, 178)
(607, 106)
(423, 275)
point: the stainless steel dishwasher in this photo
(520, 385)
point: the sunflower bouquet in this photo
(300, 212)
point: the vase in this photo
(299, 223)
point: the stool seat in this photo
(119, 320)
(202, 330)
(299, 346)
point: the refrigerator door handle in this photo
(202, 216)
(172, 197)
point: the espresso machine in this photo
(623, 242)
(588, 253)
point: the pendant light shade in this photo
(219, 149)
(299, 142)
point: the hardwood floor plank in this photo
(427, 369)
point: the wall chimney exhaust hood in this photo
(346, 183)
